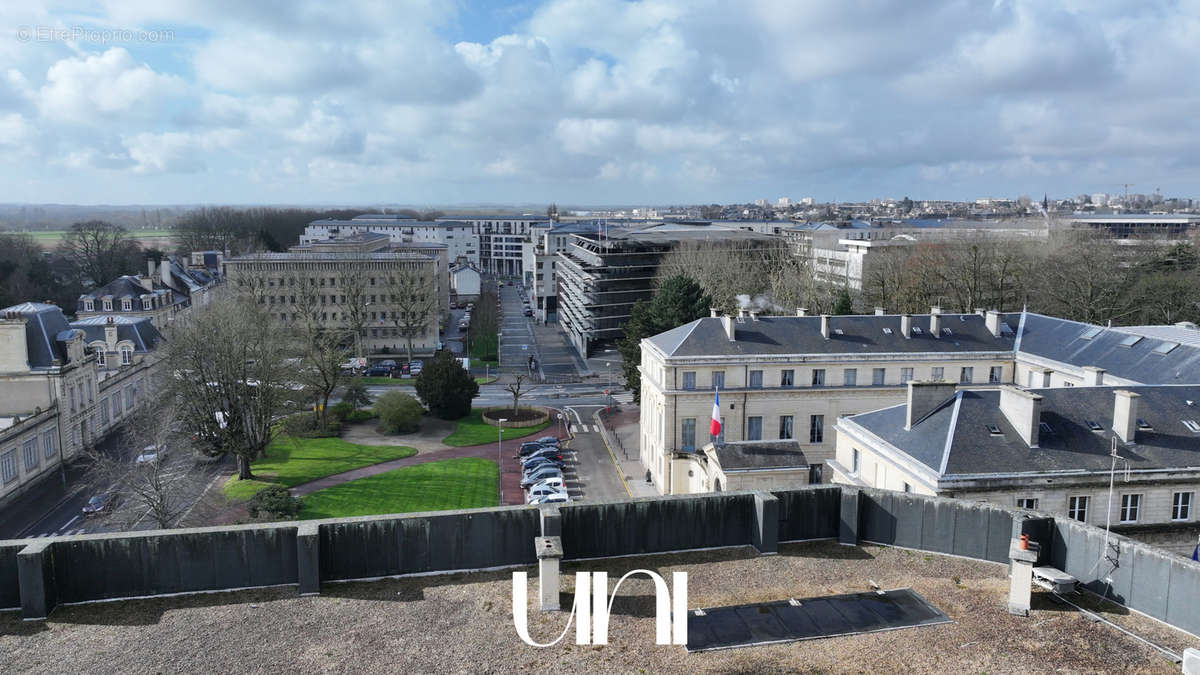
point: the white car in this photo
(553, 498)
(553, 481)
(538, 491)
(540, 475)
(151, 454)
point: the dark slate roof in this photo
(122, 287)
(44, 323)
(1069, 446)
(751, 455)
(777, 335)
(138, 330)
(1063, 340)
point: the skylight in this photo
(994, 430)
(1045, 428)
(887, 331)
(1165, 348)
(1192, 425)
(1144, 425)
(1130, 340)
(946, 331)
(1005, 329)
(1091, 332)
(839, 331)
(1094, 426)
(917, 330)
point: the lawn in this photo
(472, 430)
(463, 483)
(386, 381)
(294, 461)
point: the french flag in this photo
(714, 427)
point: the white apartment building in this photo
(502, 239)
(459, 238)
(784, 378)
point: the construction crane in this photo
(1127, 186)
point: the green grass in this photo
(463, 483)
(51, 238)
(294, 461)
(472, 430)
(387, 381)
(486, 380)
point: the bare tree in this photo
(229, 369)
(412, 301)
(321, 344)
(151, 481)
(100, 251)
(352, 297)
(517, 389)
(727, 269)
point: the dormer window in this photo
(147, 303)
(89, 305)
(108, 304)
(100, 356)
(126, 304)
(126, 355)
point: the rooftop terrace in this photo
(463, 623)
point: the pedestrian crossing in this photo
(623, 397)
(584, 428)
(60, 534)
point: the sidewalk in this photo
(625, 425)
(558, 358)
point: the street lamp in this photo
(562, 429)
(500, 460)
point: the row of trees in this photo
(223, 228)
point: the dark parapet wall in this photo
(968, 529)
(378, 546)
(809, 513)
(10, 590)
(174, 561)
(658, 525)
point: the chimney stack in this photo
(878, 311)
(727, 322)
(754, 315)
(936, 309)
(993, 323)
(935, 323)
(825, 326)
(741, 312)
(110, 334)
(906, 325)
(1125, 414)
(979, 311)
(924, 398)
(1023, 410)
(150, 264)
(712, 313)
(1093, 376)
(800, 311)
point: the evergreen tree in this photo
(844, 304)
(678, 300)
(446, 388)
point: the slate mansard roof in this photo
(954, 441)
(860, 334)
(760, 455)
(1148, 360)
(43, 326)
(138, 330)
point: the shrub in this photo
(305, 425)
(339, 411)
(356, 394)
(446, 387)
(275, 501)
(360, 415)
(398, 413)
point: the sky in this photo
(594, 102)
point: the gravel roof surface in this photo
(463, 623)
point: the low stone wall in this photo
(37, 574)
(544, 416)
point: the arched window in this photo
(126, 355)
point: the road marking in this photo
(69, 523)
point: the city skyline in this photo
(594, 102)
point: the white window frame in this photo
(1078, 505)
(126, 304)
(1131, 507)
(29, 452)
(1027, 503)
(1181, 505)
(48, 444)
(126, 355)
(9, 470)
(855, 461)
(750, 434)
(938, 373)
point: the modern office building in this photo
(502, 238)
(458, 237)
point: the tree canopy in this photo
(446, 388)
(678, 300)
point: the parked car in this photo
(528, 312)
(539, 491)
(548, 440)
(553, 498)
(151, 454)
(544, 453)
(556, 481)
(538, 462)
(414, 368)
(388, 363)
(404, 368)
(530, 448)
(100, 503)
(454, 305)
(539, 475)
(377, 371)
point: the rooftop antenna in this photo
(1111, 552)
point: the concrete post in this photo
(848, 530)
(1020, 587)
(551, 521)
(35, 576)
(766, 523)
(549, 553)
(308, 558)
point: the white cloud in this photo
(80, 89)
